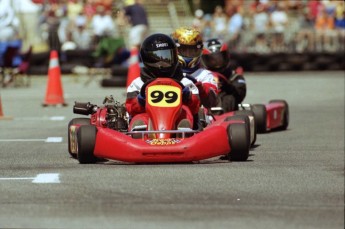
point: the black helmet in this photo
(159, 55)
(215, 55)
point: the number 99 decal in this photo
(163, 96)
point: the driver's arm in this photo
(133, 106)
(194, 102)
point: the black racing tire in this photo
(286, 115)
(86, 144)
(246, 121)
(238, 141)
(260, 115)
(249, 113)
(80, 121)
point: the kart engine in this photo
(116, 115)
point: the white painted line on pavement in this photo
(47, 178)
(57, 118)
(16, 178)
(22, 140)
(54, 139)
(42, 178)
(53, 118)
(48, 140)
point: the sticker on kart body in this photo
(164, 96)
(163, 142)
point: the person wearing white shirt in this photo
(102, 24)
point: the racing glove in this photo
(186, 94)
(141, 100)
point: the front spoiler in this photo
(211, 142)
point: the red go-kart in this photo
(106, 135)
(263, 117)
(267, 117)
(271, 116)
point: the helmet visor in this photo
(190, 50)
(161, 59)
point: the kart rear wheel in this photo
(260, 115)
(286, 115)
(252, 123)
(79, 121)
(238, 140)
(246, 121)
(86, 144)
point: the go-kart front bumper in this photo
(114, 145)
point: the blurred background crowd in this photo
(104, 26)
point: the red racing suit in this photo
(232, 85)
(207, 86)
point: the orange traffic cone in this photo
(54, 93)
(134, 67)
(2, 117)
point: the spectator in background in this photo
(305, 36)
(324, 26)
(9, 37)
(313, 8)
(9, 23)
(64, 25)
(260, 27)
(89, 9)
(219, 22)
(207, 31)
(279, 20)
(254, 6)
(74, 7)
(198, 20)
(137, 17)
(340, 15)
(234, 27)
(69, 44)
(80, 35)
(340, 24)
(102, 24)
(53, 23)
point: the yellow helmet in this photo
(187, 36)
(189, 45)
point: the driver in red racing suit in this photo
(190, 45)
(159, 56)
(231, 83)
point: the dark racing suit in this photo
(231, 88)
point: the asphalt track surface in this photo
(293, 179)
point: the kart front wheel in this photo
(252, 123)
(260, 115)
(75, 121)
(86, 144)
(286, 115)
(246, 121)
(238, 140)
